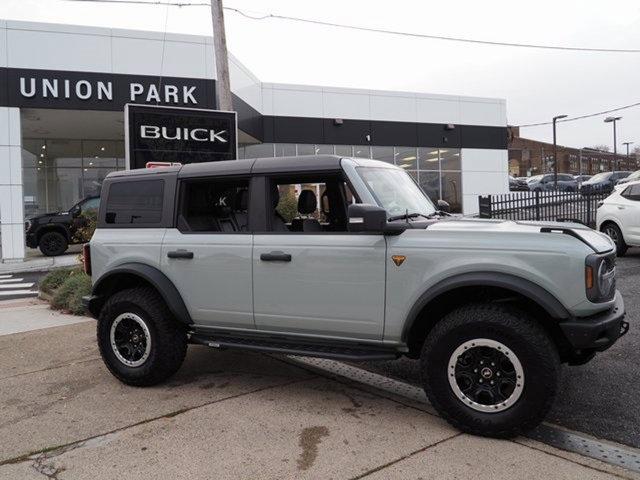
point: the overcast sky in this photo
(537, 84)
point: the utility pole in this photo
(628, 159)
(555, 152)
(223, 85)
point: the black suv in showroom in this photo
(52, 233)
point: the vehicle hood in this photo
(599, 242)
(46, 216)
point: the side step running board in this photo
(333, 351)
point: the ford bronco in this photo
(347, 259)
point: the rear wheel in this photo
(140, 342)
(612, 230)
(490, 370)
(52, 244)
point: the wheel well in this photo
(49, 228)
(448, 301)
(121, 281)
(608, 221)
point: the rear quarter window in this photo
(135, 202)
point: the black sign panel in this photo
(100, 91)
(182, 135)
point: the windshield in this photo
(535, 178)
(395, 191)
(600, 176)
(635, 175)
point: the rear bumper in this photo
(597, 332)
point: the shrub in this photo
(288, 205)
(87, 221)
(69, 295)
(52, 280)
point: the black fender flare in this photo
(53, 227)
(526, 288)
(153, 276)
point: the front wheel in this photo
(490, 370)
(614, 233)
(53, 244)
(140, 342)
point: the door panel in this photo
(216, 282)
(333, 284)
(629, 214)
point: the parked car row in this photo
(585, 184)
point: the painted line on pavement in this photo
(10, 280)
(608, 452)
(8, 293)
(16, 285)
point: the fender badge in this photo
(398, 259)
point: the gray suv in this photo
(347, 259)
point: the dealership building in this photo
(63, 89)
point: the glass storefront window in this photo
(57, 173)
(384, 154)
(452, 189)
(306, 149)
(344, 150)
(362, 151)
(428, 159)
(259, 150)
(430, 183)
(406, 157)
(285, 149)
(450, 159)
(324, 150)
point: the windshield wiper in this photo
(407, 216)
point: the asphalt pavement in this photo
(14, 286)
(599, 398)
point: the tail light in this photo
(86, 259)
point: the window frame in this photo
(168, 197)
(180, 199)
(265, 181)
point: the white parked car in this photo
(619, 216)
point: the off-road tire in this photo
(517, 331)
(53, 244)
(168, 337)
(614, 233)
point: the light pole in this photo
(555, 152)
(627, 145)
(615, 140)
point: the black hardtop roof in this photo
(293, 164)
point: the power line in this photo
(271, 16)
(589, 115)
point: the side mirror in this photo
(444, 206)
(75, 211)
(373, 219)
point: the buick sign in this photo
(178, 135)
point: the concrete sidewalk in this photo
(231, 415)
(36, 262)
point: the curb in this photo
(39, 265)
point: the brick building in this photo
(532, 157)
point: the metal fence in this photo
(549, 206)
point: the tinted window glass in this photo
(633, 192)
(214, 206)
(91, 204)
(135, 202)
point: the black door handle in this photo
(275, 257)
(180, 254)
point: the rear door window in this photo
(135, 202)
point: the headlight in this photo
(27, 225)
(600, 277)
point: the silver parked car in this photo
(347, 259)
